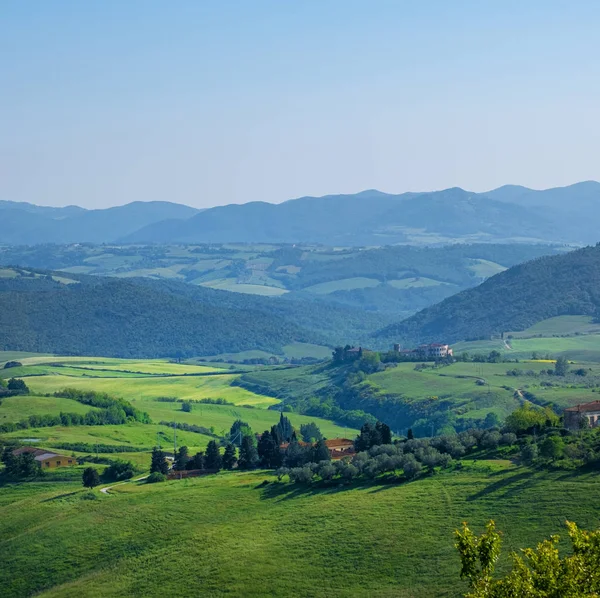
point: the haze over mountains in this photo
(509, 213)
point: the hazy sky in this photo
(105, 102)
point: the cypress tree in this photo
(213, 460)
(385, 433)
(248, 458)
(229, 458)
(158, 463)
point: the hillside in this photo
(85, 315)
(231, 534)
(510, 301)
(397, 280)
(506, 214)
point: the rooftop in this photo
(593, 406)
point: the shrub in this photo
(155, 477)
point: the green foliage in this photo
(186, 406)
(90, 477)
(539, 572)
(561, 367)
(181, 459)
(158, 463)
(118, 471)
(156, 477)
(212, 458)
(529, 417)
(320, 452)
(229, 457)
(17, 385)
(310, 432)
(248, 457)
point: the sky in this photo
(228, 101)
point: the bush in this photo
(155, 477)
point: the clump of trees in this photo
(12, 364)
(20, 466)
(540, 571)
(17, 386)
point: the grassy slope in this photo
(13, 409)
(136, 388)
(222, 535)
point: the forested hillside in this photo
(510, 301)
(398, 280)
(85, 315)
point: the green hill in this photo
(228, 535)
(513, 300)
(40, 312)
(397, 280)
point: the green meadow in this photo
(229, 534)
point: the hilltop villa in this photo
(574, 416)
(431, 351)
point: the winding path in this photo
(106, 489)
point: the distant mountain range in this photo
(509, 213)
(512, 300)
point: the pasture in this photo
(229, 535)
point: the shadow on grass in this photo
(280, 491)
(507, 486)
(61, 496)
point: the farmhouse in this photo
(47, 459)
(338, 447)
(574, 417)
(430, 351)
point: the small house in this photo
(47, 459)
(575, 417)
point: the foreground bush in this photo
(155, 477)
(539, 572)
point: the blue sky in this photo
(209, 103)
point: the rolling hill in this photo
(86, 315)
(513, 300)
(398, 280)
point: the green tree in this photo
(539, 572)
(320, 452)
(410, 435)
(212, 459)
(552, 447)
(186, 406)
(90, 477)
(310, 432)
(248, 458)
(196, 462)
(285, 428)
(268, 451)
(561, 367)
(239, 429)
(158, 462)
(384, 432)
(181, 459)
(229, 458)
(17, 385)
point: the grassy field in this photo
(13, 409)
(346, 284)
(135, 435)
(226, 535)
(415, 283)
(151, 387)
